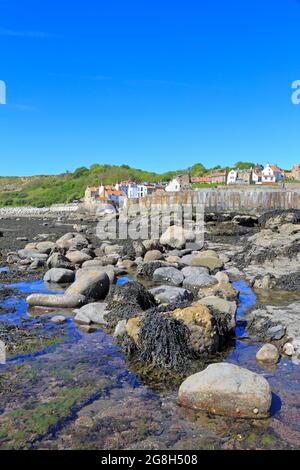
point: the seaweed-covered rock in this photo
(146, 270)
(57, 260)
(164, 341)
(225, 309)
(127, 301)
(133, 249)
(288, 282)
(275, 218)
(204, 335)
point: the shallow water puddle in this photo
(79, 393)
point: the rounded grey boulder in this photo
(92, 284)
(59, 276)
(170, 275)
(228, 390)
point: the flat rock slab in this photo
(228, 390)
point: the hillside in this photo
(40, 191)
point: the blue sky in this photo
(156, 84)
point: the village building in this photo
(296, 172)
(256, 177)
(232, 177)
(201, 179)
(272, 174)
(179, 183)
(288, 175)
(134, 190)
(218, 177)
(244, 177)
(104, 194)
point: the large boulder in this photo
(229, 390)
(59, 276)
(176, 237)
(92, 284)
(225, 308)
(77, 257)
(72, 241)
(113, 249)
(170, 276)
(109, 270)
(206, 260)
(193, 283)
(153, 255)
(224, 290)
(64, 242)
(95, 312)
(151, 245)
(171, 295)
(57, 260)
(204, 338)
(56, 301)
(190, 271)
(268, 354)
(45, 247)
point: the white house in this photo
(272, 174)
(256, 177)
(173, 186)
(232, 177)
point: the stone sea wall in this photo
(223, 199)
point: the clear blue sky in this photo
(156, 84)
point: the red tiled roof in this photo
(276, 169)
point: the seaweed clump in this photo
(289, 282)
(165, 342)
(127, 301)
(285, 216)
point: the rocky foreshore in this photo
(177, 304)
